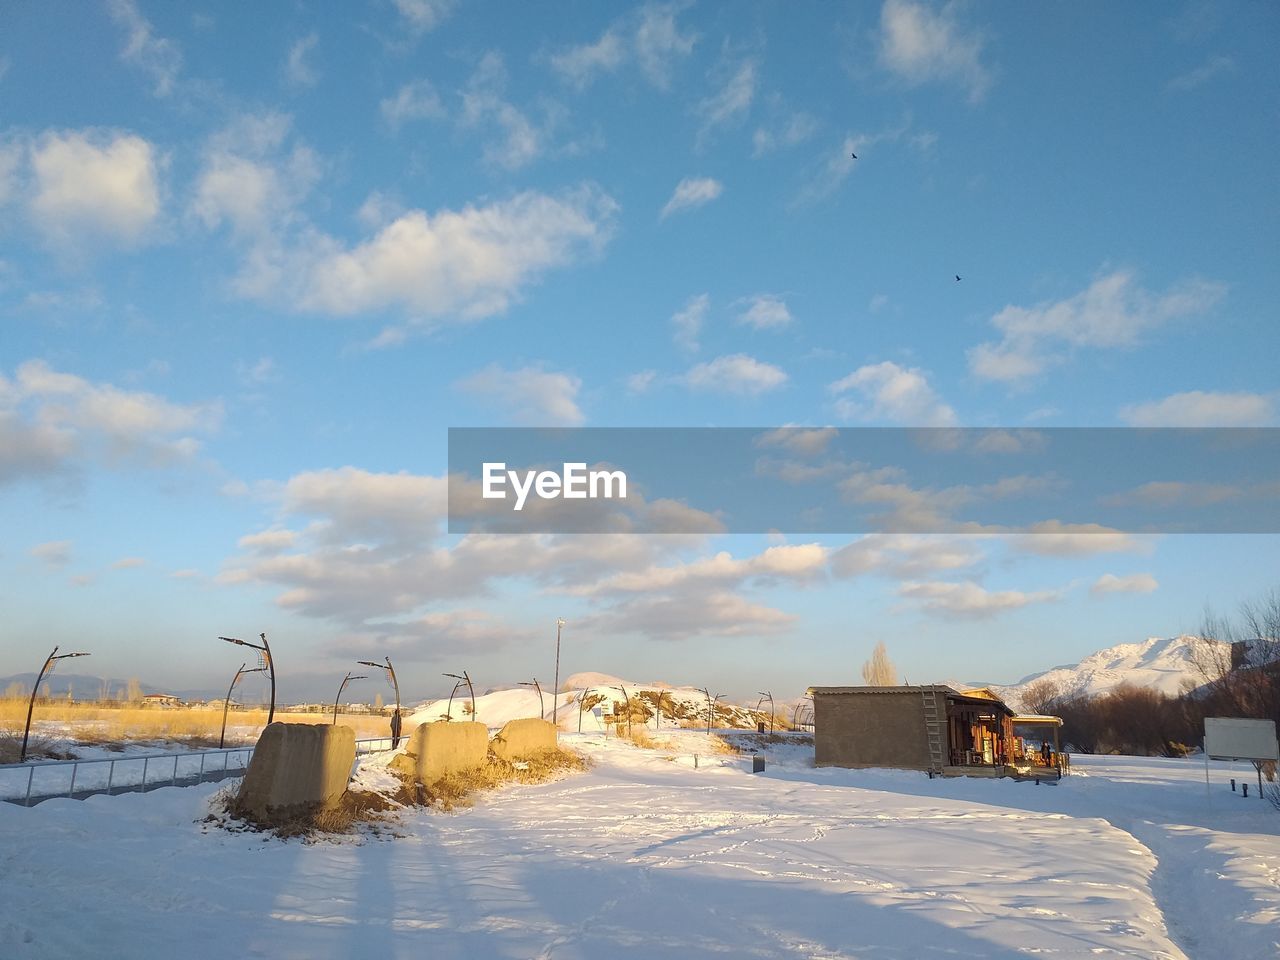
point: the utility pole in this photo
(555, 696)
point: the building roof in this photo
(936, 687)
(1037, 718)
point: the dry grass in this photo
(354, 810)
(107, 726)
(460, 790)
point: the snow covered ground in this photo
(647, 855)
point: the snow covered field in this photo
(648, 856)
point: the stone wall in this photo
(436, 750)
(297, 766)
(521, 739)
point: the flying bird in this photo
(854, 155)
(957, 278)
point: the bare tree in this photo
(1238, 662)
(1041, 696)
(879, 671)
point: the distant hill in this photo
(82, 686)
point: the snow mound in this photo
(575, 708)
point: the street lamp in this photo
(542, 711)
(347, 679)
(465, 678)
(711, 702)
(761, 700)
(226, 704)
(391, 673)
(50, 662)
(555, 696)
(265, 662)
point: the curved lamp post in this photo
(391, 674)
(582, 699)
(711, 702)
(50, 662)
(465, 678)
(347, 679)
(555, 690)
(760, 701)
(226, 704)
(266, 662)
(448, 710)
(542, 711)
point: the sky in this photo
(255, 263)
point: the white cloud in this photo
(1202, 74)
(799, 440)
(467, 264)
(581, 64)
(764, 311)
(261, 371)
(49, 421)
(794, 562)
(1112, 312)
(155, 55)
(650, 38)
(128, 563)
(731, 102)
(788, 131)
(969, 600)
(641, 381)
(659, 42)
(424, 15)
(692, 192)
(413, 101)
(1134, 583)
(1197, 408)
(521, 139)
(297, 71)
(688, 321)
(268, 541)
(919, 44)
(1053, 538)
(735, 373)
(529, 395)
(904, 556)
(250, 181)
(94, 184)
(355, 506)
(893, 393)
(55, 553)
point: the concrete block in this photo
(297, 766)
(439, 749)
(521, 739)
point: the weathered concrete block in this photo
(436, 750)
(296, 766)
(521, 739)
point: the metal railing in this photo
(49, 779)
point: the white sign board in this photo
(606, 706)
(1234, 738)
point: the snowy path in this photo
(648, 857)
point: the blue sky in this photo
(254, 265)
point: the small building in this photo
(933, 728)
(161, 700)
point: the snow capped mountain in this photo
(1161, 663)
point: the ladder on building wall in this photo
(935, 717)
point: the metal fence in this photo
(30, 783)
